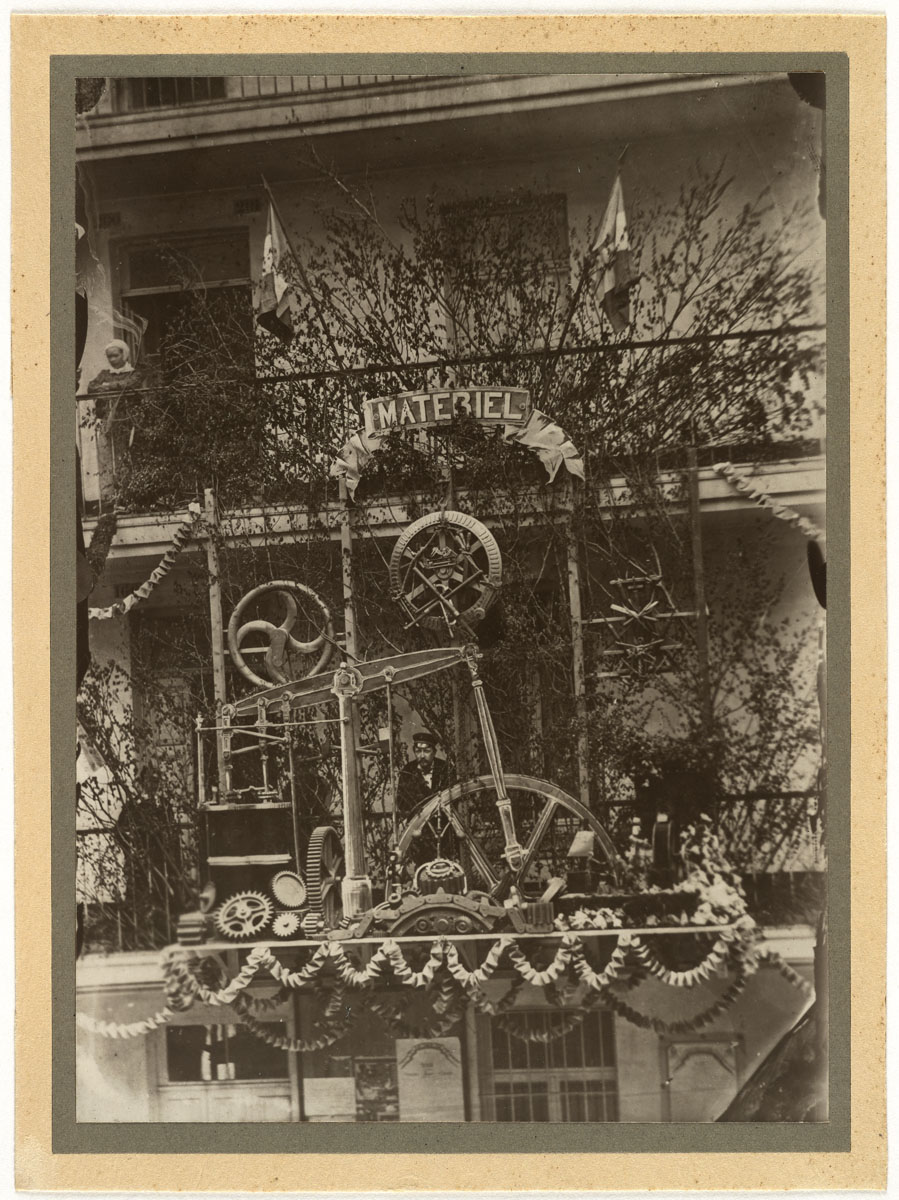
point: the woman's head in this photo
(117, 354)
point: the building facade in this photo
(656, 645)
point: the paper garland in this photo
(742, 484)
(792, 977)
(690, 1024)
(333, 1026)
(696, 975)
(183, 987)
(180, 536)
(114, 1029)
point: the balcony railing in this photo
(156, 93)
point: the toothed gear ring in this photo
(286, 924)
(244, 915)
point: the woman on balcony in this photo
(119, 374)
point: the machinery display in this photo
(496, 852)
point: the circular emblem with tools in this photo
(445, 571)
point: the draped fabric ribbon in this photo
(180, 536)
(548, 441)
(742, 483)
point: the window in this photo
(221, 1054)
(161, 92)
(184, 297)
(569, 1078)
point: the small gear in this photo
(286, 924)
(243, 915)
(288, 889)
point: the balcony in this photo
(397, 119)
(157, 93)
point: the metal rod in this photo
(287, 725)
(201, 766)
(524, 355)
(219, 685)
(578, 666)
(292, 783)
(356, 886)
(265, 737)
(648, 930)
(223, 745)
(513, 852)
(702, 613)
(391, 782)
(263, 748)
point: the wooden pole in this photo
(699, 598)
(578, 665)
(219, 685)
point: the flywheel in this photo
(324, 874)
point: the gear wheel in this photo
(324, 871)
(445, 914)
(285, 924)
(243, 915)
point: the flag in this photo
(352, 459)
(274, 313)
(612, 253)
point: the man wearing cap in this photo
(423, 776)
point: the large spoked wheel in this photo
(546, 821)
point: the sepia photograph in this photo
(451, 591)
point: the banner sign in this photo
(508, 409)
(418, 410)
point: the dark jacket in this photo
(411, 787)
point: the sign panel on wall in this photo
(429, 1074)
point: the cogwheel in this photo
(243, 915)
(285, 924)
(324, 871)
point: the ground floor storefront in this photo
(374, 1055)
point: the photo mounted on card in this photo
(439, 608)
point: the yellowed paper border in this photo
(35, 39)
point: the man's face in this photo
(116, 357)
(425, 754)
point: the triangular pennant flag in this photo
(274, 313)
(614, 272)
